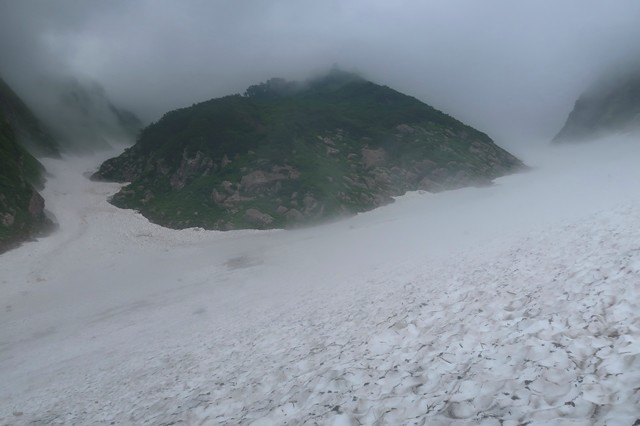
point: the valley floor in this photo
(504, 305)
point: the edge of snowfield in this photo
(504, 305)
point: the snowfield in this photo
(503, 305)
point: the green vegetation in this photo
(289, 153)
(21, 207)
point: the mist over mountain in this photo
(71, 117)
(513, 69)
(460, 286)
(611, 105)
(28, 130)
(82, 116)
(291, 153)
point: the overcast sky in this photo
(510, 68)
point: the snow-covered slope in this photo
(514, 303)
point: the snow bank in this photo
(513, 303)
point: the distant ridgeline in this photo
(21, 207)
(610, 106)
(288, 153)
(80, 117)
(85, 119)
(28, 130)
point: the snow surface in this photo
(502, 305)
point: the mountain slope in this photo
(21, 207)
(610, 106)
(290, 153)
(29, 131)
(84, 118)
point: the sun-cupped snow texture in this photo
(503, 305)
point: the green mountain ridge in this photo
(22, 135)
(288, 153)
(21, 206)
(612, 105)
(81, 118)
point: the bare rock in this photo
(258, 218)
(253, 180)
(288, 171)
(352, 183)
(217, 197)
(7, 219)
(427, 184)
(148, 196)
(478, 148)
(309, 203)
(257, 180)
(425, 166)
(294, 215)
(234, 199)
(373, 157)
(332, 151)
(199, 165)
(36, 205)
(405, 129)
(228, 187)
(327, 140)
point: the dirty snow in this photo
(503, 305)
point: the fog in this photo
(514, 301)
(511, 69)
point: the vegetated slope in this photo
(609, 106)
(289, 153)
(21, 207)
(28, 130)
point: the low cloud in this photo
(511, 69)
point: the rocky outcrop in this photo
(297, 153)
(257, 218)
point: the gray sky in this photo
(510, 68)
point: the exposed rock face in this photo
(199, 165)
(36, 205)
(259, 181)
(373, 157)
(291, 153)
(257, 218)
(294, 216)
(610, 106)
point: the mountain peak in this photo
(289, 153)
